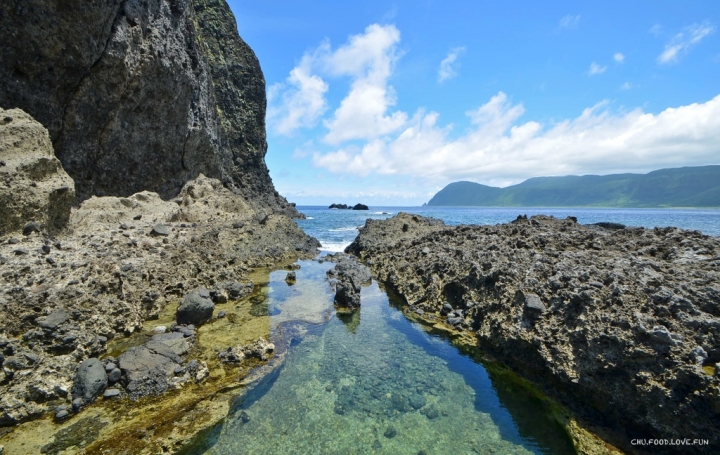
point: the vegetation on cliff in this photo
(678, 187)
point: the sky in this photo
(385, 102)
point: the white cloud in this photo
(299, 101)
(683, 41)
(570, 21)
(626, 86)
(447, 70)
(596, 69)
(497, 149)
(368, 60)
(619, 57)
(655, 30)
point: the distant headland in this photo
(676, 187)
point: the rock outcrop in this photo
(33, 185)
(621, 325)
(140, 95)
(70, 293)
(346, 279)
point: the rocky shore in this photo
(619, 325)
(134, 199)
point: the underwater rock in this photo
(611, 321)
(290, 278)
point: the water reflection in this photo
(376, 384)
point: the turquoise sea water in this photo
(337, 228)
(375, 382)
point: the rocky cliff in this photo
(622, 325)
(140, 94)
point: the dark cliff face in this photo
(140, 94)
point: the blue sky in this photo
(387, 102)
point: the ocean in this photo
(336, 229)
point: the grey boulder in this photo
(90, 380)
(196, 307)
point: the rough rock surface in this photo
(72, 292)
(259, 349)
(347, 278)
(140, 94)
(158, 365)
(620, 325)
(33, 185)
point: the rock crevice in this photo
(621, 325)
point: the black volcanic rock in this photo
(90, 380)
(621, 325)
(360, 207)
(196, 307)
(338, 206)
(140, 95)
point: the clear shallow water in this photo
(337, 228)
(375, 382)
(378, 383)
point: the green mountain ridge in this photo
(697, 186)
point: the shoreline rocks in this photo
(620, 325)
(346, 280)
(35, 191)
(107, 273)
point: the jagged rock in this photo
(613, 322)
(348, 277)
(196, 307)
(259, 349)
(290, 278)
(173, 92)
(90, 381)
(53, 320)
(360, 207)
(35, 192)
(338, 206)
(150, 369)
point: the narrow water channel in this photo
(375, 383)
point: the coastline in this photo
(593, 326)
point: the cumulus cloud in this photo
(368, 60)
(683, 41)
(619, 57)
(596, 69)
(447, 68)
(497, 149)
(299, 101)
(570, 21)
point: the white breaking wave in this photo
(383, 213)
(334, 247)
(343, 229)
(309, 218)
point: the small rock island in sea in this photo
(349, 207)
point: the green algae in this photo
(373, 383)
